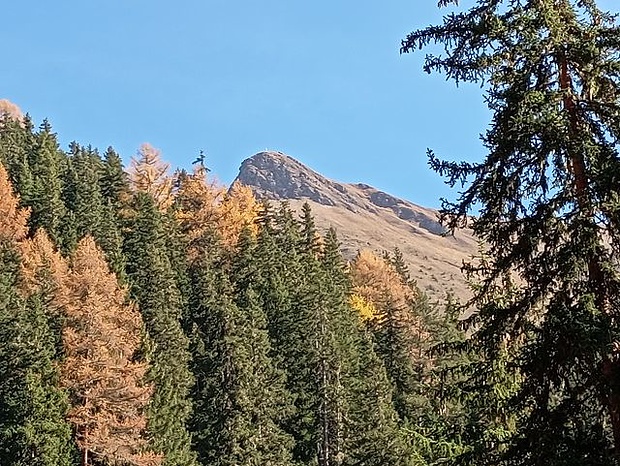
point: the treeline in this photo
(149, 318)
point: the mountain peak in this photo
(365, 217)
(274, 175)
(277, 176)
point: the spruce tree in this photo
(246, 402)
(33, 430)
(88, 212)
(370, 430)
(113, 182)
(81, 196)
(547, 193)
(153, 287)
(15, 141)
(44, 197)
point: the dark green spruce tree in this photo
(33, 429)
(256, 386)
(547, 204)
(87, 210)
(153, 287)
(15, 141)
(371, 433)
(44, 195)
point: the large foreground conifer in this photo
(548, 194)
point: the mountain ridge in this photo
(366, 218)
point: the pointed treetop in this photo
(42, 265)
(101, 336)
(200, 160)
(239, 210)
(149, 174)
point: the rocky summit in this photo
(366, 217)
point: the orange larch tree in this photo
(204, 206)
(148, 173)
(101, 336)
(393, 308)
(13, 219)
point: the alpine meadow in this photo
(154, 316)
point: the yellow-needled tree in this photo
(102, 333)
(148, 173)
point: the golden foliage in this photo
(381, 293)
(10, 110)
(204, 206)
(101, 335)
(149, 174)
(365, 308)
(13, 219)
(239, 210)
(197, 202)
(377, 282)
(42, 267)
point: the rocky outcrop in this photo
(366, 217)
(277, 176)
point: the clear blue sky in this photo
(322, 81)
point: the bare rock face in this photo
(274, 175)
(277, 176)
(366, 217)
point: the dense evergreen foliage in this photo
(245, 347)
(544, 388)
(152, 318)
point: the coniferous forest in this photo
(158, 318)
(154, 317)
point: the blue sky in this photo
(322, 81)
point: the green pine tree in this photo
(44, 197)
(549, 213)
(153, 287)
(33, 430)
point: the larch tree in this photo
(197, 210)
(101, 336)
(398, 329)
(148, 173)
(547, 204)
(13, 218)
(203, 205)
(10, 110)
(239, 210)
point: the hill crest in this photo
(366, 218)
